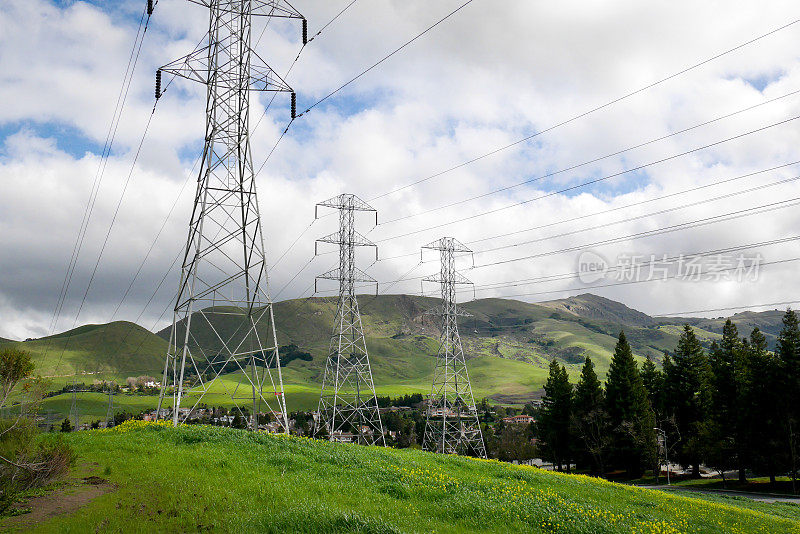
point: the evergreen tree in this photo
(589, 420)
(788, 351)
(554, 423)
(653, 380)
(686, 381)
(721, 429)
(631, 418)
(762, 423)
(66, 425)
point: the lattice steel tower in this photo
(348, 407)
(451, 424)
(223, 318)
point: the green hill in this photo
(154, 478)
(769, 322)
(509, 344)
(117, 349)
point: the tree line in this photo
(732, 407)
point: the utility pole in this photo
(110, 411)
(347, 403)
(223, 319)
(451, 425)
(662, 440)
(73, 409)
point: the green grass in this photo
(205, 478)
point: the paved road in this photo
(762, 497)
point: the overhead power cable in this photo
(758, 210)
(590, 182)
(589, 112)
(108, 235)
(362, 73)
(627, 206)
(387, 56)
(584, 289)
(108, 144)
(589, 162)
(573, 274)
(745, 307)
(639, 217)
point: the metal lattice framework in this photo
(451, 422)
(348, 407)
(223, 319)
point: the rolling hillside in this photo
(509, 343)
(153, 478)
(113, 349)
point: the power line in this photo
(573, 274)
(109, 141)
(590, 182)
(757, 210)
(589, 112)
(628, 282)
(589, 162)
(627, 206)
(746, 307)
(765, 208)
(638, 217)
(108, 234)
(635, 204)
(386, 57)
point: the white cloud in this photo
(484, 78)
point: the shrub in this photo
(26, 462)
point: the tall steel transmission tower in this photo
(223, 319)
(348, 407)
(452, 424)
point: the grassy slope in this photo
(114, 349)
(195, 478)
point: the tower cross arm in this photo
(457, 278)
(448, 243)
(440, 311)
(194, 67)
(337, 239)
(264, 8)
(336, 274)
(345, 201)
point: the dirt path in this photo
(65, 500)
(762, 497)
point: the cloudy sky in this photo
(491, 75)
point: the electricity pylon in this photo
(223, 319)
(451, 421)
(348, 407)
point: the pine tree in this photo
(653, 380)
(555, 420)
(687, 378)
(631, 418)
(788, 350)
(589, 420)
(762, 422)
(721, 429)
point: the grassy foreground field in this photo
(211, 479)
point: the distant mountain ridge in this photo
(591, 306)
(509, 343)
